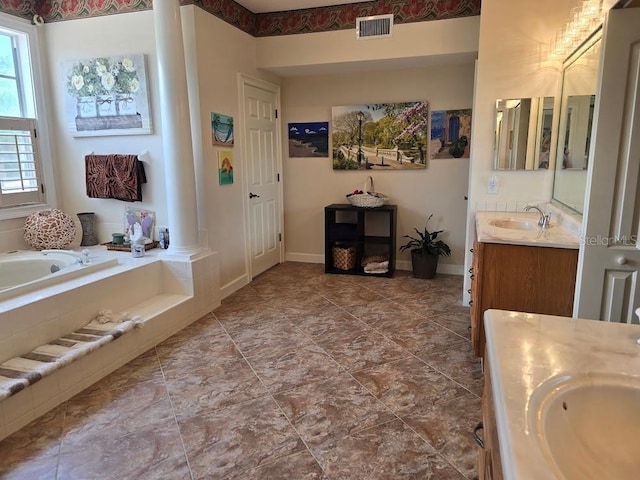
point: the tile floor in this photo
(299, 375)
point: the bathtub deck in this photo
(167, 293)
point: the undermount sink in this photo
(514, 224)
(588, 426)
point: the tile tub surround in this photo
(297, 375)
(524, 351)
(168, 293)
(559, 235)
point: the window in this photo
(19, 178)
(21, 174)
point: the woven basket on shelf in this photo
(369, 198)
(344, 258)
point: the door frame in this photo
(245, 80)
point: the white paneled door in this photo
(608, 287)
(261, 146)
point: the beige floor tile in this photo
(297, 375)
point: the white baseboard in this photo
(304, 257)
(234, 285)
(443, 268)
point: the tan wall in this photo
(512, 63)
(411, 45)
(311, 183)
(221, 52)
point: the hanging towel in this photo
(114, 176)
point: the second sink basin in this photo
(588, 426)
(514, 224)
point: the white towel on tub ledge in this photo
(19, 372)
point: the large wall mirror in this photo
(523, 133)
(579, 84)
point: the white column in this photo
(176, 129)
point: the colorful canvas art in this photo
(146, 219)
(225, 167)
(107, 96)
(310, 139)
(381, 136)
(450, 133)
(221, 130)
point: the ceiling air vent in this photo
(378, 26)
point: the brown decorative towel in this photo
(114, 176)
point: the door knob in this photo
(621, 260)
(253, 195)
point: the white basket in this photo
(368, 199)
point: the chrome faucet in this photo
(83, 258)
(545, 218)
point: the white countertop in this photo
(558, 235)
(525, 350)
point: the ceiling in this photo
(264, 6)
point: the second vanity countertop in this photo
(526, 350)
(558, 235)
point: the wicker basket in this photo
(344, 258)
(369, 198)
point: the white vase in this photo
(106, 105)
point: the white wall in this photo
(79, 39)
(215, 53)
(221, 52)
(512, 63)
(311, 183)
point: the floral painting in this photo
(310, 139)
(107, 96)
(221, 130)
(225, 167)
(380, 136)
(450, 133)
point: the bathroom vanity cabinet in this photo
(489, 462)
(522, 278)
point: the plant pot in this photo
(424, 265)
(456, 152)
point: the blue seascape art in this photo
(310, 139)
(221, 130)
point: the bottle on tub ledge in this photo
(137, 241)
(164, 238)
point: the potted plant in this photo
(425, 250)
(457, 148)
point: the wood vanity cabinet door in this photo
(493, 462)
(520, 278)
(529, 279)
(475, 310)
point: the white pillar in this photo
(176, 129)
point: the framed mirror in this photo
(523, 133)
(579, 85)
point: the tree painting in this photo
(383, 136)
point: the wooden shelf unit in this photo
(347, 226)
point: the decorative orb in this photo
(51, 228)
